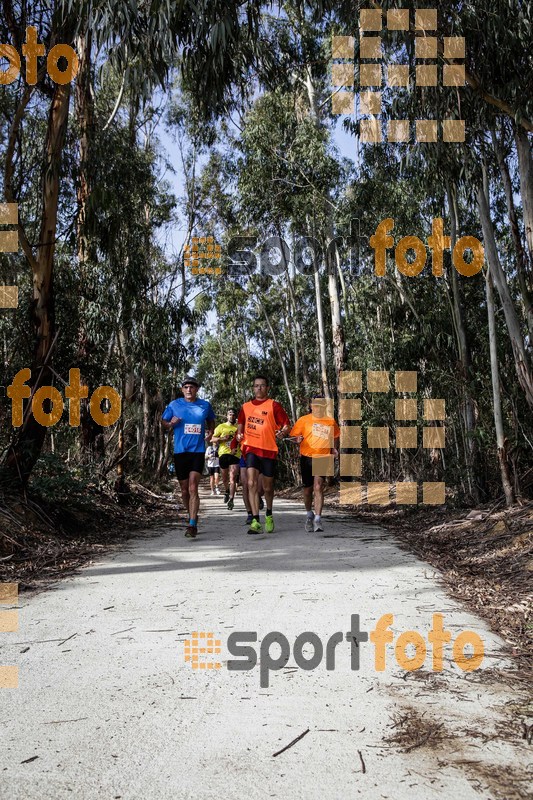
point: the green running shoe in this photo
(255, 527)
(269, 524)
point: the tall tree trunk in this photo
(28, 443)
(525, 165)
(281, 361)
(321, 336)
(465, 356)
(523, 370)
(496, 395)
(337, 331)
(521, 257)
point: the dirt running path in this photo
(107, 707)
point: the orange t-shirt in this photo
(318, 432)
(260, 426)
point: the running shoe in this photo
(269, 524)
(261, 504)
(217, 490)
(213, 494)
(191, 531)
(249, 519)
(317, 527)
(230, 504)
(255, 527)
(309, 525)
(226, 497)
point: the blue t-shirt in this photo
(189, 433)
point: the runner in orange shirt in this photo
(261, 423)
(318, 435)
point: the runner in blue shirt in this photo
(193, 422)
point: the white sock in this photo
(317, 518)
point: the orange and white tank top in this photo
(260, 426)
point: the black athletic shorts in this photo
(227, 460)
(306, 466)
(185, 463)
(266, 466)
(214, 470)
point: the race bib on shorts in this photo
(191, 428)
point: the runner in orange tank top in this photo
(261, 423)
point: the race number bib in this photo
(191, 428)
(321, 431)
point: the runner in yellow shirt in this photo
(228, 457)
(318, 435)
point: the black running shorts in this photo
(306, 467)
(227, 460)
(185, 463)
(266, 466)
